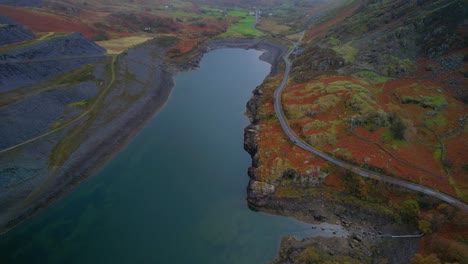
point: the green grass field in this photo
(243, 29)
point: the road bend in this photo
(357, 170)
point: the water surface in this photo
(176, 193)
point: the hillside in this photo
(381, 85)
(42, 59)
(413, 72)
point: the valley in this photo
(379, 87)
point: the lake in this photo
(176, 193)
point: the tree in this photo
(309, 256)
(425, 226)
(397, 127)
(364, 189)
(409, 211)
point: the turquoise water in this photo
(176, 193)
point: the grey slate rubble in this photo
(11, 32)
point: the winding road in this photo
(357, 170)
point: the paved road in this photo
(357, 170)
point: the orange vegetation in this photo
(277, 153)
(191, 35)
(449, 232)
(183, 46)
(320, 112)
(414, 159)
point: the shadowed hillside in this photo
(12, 32)
(45, 58)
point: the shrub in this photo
(420, 259)
(309, 256)
(425, 226)
(397, 127)
(409, 211)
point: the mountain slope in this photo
(45, 58)
(382, 85)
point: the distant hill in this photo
(12, 32)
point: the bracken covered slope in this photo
(381, 85)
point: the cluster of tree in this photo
(442, 245)
(409, 211)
